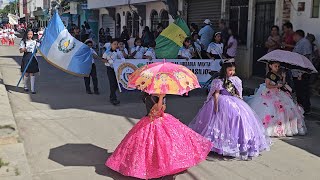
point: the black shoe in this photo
(89, 92)
(26, 90)
(115, 102)
(33, 92)
(96, 92)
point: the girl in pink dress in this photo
(158, 145)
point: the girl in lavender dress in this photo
(225, 119)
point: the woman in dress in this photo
(280, 115)
(27, 46)
(225, 119)
(158, 145)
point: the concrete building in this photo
(36, 11)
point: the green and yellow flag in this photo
(171, 39)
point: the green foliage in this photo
(10, 8)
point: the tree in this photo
(12, 7)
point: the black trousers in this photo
(303, 91)
(113, 84)
(93, 75)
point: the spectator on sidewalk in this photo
(158, 31)
(224, 32)
(301, 80)
(206, 33)
(147, 37)
(125, 36)
(194, 28)
(232, 44)
(274, 40)
(287, 40)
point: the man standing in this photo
(301, 80)
(287, 41)
(206, 34)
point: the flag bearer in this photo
(27, 46)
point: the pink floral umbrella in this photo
(290, 60)
(163, 78)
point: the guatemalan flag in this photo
(63, 51)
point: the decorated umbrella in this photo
(163, 78)
(290, 60)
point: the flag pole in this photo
(30, 60)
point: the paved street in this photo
(68, 134)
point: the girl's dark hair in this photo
(234, 34)
(194, 34)
(270, 63)
(195, 27)
(223, 71)
(114, 39)
(101, 29)
(137, 39)
(109, 38)
(275, 26)
(186, 39)
(146, 28)
(214, 37)
(25, 35)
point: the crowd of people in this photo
(296, 41)
(7, 35)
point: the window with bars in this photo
(129, 22)
(238, 21)
(164, 18)
(154, 17)
(315, 8)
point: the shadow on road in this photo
(310, 142)
(88, 155)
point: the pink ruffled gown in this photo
(158, 145)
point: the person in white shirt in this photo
(40, 33)
(5, 36)
(27, 47)
(186, 51)
(93, 73)
(215, 48)
(107, 45)
(112, 55)
(11, 37)
(137, 51)
(150, 53)
(198, 46)
(1, 36)
(122, 50)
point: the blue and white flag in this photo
(63, 51)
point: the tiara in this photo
(232, 60)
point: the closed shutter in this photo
(199, 10)
(108, 22)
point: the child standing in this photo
(150, 53)
(275, 107)
(225, 119)
(93, 73)
(27, 46)
(186, 51)
(232, 44)
(2, 37)
(40, 33)
(137, 51)
(158, 145)
(11, 37)
(112, 55)
(122, 50)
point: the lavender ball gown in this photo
(235, 130)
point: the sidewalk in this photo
(13, 161)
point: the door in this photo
(108, 22)
(264, 20)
